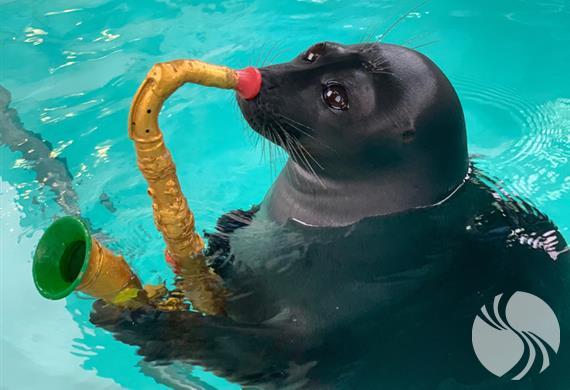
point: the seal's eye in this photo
(335, 97)
(314, 52)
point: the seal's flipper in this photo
(239, 352)
(219, 251)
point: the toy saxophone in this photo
(68, 258)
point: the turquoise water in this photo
(72, 68)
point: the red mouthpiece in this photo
(249, 82)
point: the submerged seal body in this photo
(372, 254)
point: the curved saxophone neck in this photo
(162, 81)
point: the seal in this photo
(372, 253)
(371, 129)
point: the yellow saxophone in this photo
(68, 258)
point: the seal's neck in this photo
(325, 201)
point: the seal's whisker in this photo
(298, 156)
(425, 44)
(385, 71)
(250, 137)
(310, 166)
(371, 31)
(293, 123)
(270, 151)
(375, 65)
(254, 137)
(304, 150)
(297, 145)
(400, 19)
(316, 139)
(265, 147)
(382, 72)
(294, 157)
(310, 155)
(295, 173)
(292, 151)
(378, 65)
(276, 140)
(298, 142)
(416, 37)
(260, 52)
(378, 61)
(257, 140)
(281, 143)
(290, 143)
(262, 147)
(278, 54)
(298, 123)
(272, 158)
(270, 52)
(368, 34)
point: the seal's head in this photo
(374, 118)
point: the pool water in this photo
(73, 67)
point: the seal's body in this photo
(370, 257)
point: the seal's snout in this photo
(249, 83)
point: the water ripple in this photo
(532, 163)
